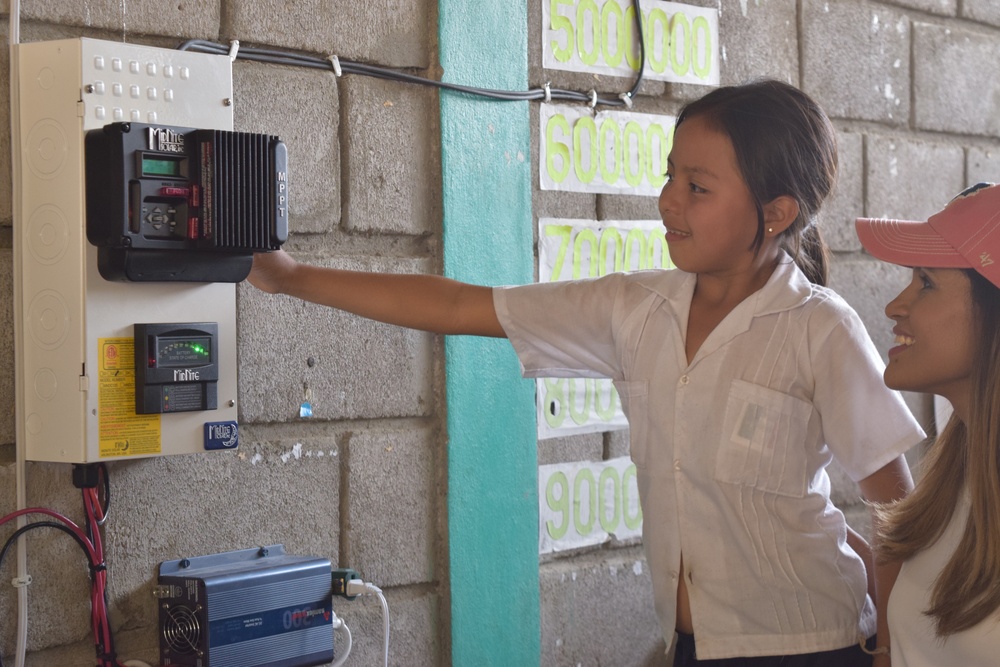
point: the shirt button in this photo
(685, 379)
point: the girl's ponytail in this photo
(812, 255)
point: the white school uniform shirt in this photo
(913, 637)
(731, 449)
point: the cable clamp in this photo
(593, 99)
(335, 61)
(21, 582)
(548, 92)
(100, 567)
(627, 99)
(234, 48)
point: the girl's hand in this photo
(271, 271)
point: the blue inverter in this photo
(249, 608)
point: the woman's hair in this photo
(965, 459)
(785, 145)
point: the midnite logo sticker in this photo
(165, 140)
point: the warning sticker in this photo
(121, 431)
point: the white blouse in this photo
(731, 449)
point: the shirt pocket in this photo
(634, 396)
(763, 440)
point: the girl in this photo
(944, 608)
(741, 380)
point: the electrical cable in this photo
(339, 624)
(340, 66)
(358, 587)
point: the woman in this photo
(944, 607)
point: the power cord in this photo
(348, 584)
(340, 66)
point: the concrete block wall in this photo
(910, 88)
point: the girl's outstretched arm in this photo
(416, 301)
(890, 482)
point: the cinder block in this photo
(856, 60)
(395, 480)
(137, 17)
(392, 174)
(846, 202)
(911, 179)
(7, 391)
(415, 628)
(584, 447)
(627, 207)
(609, 595)
(301, 106)
(943, 102)
(983, 164)
(942, 7)
(868, 285)
(758, 39)
(986, 11)
(345, 366)
(391, 33)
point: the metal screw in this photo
(227, 102)
(232, 402)
(89, 88)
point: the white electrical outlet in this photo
(74, 369)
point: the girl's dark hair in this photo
(785, 145)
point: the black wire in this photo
(280, 57)
(40, 524)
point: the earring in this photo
(770, 230)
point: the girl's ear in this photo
(779, 214)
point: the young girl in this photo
(740, 378)
(945, 608)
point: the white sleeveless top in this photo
(914, 642)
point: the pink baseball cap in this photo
(965, 235)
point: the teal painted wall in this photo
(492, 450)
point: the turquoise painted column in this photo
(492, 447)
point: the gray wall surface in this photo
(911, 87)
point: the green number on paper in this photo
(557, 504)
(581, 25)
(635, 241)
(658, 240)
(702, 33)
(584, 477)
(631, 522)
(585, 124)
(554, 402)
(656, 163)
(609, 524)
(610, 236)
(634, 131)
(612, 8)
(631, 45)
(658, 64)
(565, 233)
(605, 413)
(590, 238)
(680, 22)
(563, 23)
(554, 149)
(609, 173)
(580, 416)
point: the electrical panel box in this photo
(248, 608)
(75, 332)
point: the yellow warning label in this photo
(121, 432)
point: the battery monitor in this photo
(176, 367)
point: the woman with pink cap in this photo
(945, 606)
